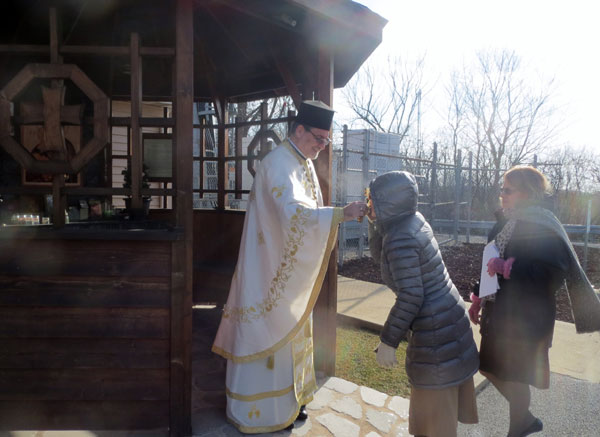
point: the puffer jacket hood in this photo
(395, 196)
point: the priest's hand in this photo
(354, 210)
(386, 355)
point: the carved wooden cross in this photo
(52, 113)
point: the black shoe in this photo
(536, 426)
(289, 427)
(302, 414)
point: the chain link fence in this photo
(446, 191)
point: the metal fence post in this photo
(365, 177)
(457, 189)
(469, 197)
(588, 224)
(343, 183)
(433, 184)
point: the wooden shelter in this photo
(96, 315)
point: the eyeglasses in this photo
(319, 138)
(507, 191)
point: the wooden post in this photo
(326, 307)
(203, 129)
(238, 163)
(181, 258)
(135, 164)
(222, 142)
(59, 200)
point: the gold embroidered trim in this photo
(258, 396)
(291, 149)
(308, 182)
(254, 412)
(295, 239)
(338, 214)
(309, 307)
(278, 191)
(303, 354)
(305, 398)
(264, 429)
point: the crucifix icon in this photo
(59, 136)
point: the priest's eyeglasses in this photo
(323, 140)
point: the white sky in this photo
(558, 38)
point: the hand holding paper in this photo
(500, 266)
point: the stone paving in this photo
(340, 409)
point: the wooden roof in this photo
(243, 49)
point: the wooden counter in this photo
(85, 327)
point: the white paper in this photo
(488, 284)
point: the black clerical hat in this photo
(314, 113)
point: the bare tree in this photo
(506, 118)
(276, 107)
(456, 119)
(387, 99)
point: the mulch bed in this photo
(463, 262)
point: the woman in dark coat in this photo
(517, 322)
(441, 356)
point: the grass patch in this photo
(355, 362)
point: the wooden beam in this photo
(326, 307)
(18, 82)
(33, 113)
(59, 201)
(182, 275)
(249, 8)
(324, 92)
(55, 38)
(203, 128)
(5, 126)
(53, 99)
(288, 79)
(51, 71)
(222, 142)
(24, 49)
(238, 164)
(135, 163)
(101, 116)
(144, 121)
(43, 49)
(219, 105)
(17, 151)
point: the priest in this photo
(266, 328)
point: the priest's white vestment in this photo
(266, 327)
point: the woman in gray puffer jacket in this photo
(441, 357)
